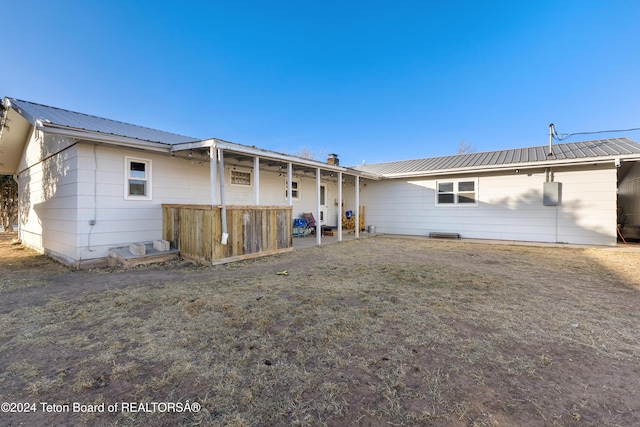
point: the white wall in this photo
(510, 207)
(47, 195)
(119, 221)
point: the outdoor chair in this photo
(311, 222)
(299, 227)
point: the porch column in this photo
(213, 174)
(256, 181)
(339, 206)
(289, 185)
(357, 206)
(318, 226)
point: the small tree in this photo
(305, 153)
(465, 148)
(8, 202)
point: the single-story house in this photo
(88, 184)
(577, 193)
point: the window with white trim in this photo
(137, 183)
(240, 178)
(295, 189)
(457, 192)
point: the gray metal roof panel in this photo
(565, 151)
(57, 116)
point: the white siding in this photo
(47, 195)
(510, 208)
(119, 222)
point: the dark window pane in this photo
(137, 170)
(444, 187)
(294, 190)
(445, 198)
(137, 188)
(466, 198)
(137, 166)
(467, 186)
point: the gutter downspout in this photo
(223, 206)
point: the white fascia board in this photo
(104, 138)
(536, 165)
(266, 154)
(628, 157)
(205, 143)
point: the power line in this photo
(563, 136)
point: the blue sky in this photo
(374, 81)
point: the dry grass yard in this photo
(380, 331)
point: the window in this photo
(295, 190)
(457, 192)
(240, 177)
(137, 179)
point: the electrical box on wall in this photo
(551, 193)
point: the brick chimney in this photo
(333, 160)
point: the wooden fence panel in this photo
(253, 231)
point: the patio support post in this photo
(256, 180)
(357, 206)
(213, 174)
(289, 185)
(339, 206)
(318, 222)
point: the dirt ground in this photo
(373, 332)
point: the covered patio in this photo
(254, 179)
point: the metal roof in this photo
(587, 150)
(51, 115)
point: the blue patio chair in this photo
(299, 227)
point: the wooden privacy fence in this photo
(253, 231)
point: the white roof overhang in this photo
(13, 137)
